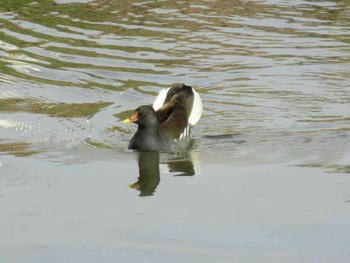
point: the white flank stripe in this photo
(185, 133)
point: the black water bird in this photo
(167, 125)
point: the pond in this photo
(267, 177)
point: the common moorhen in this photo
(167, 125)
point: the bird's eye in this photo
(144, 114)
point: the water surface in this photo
(267, 176)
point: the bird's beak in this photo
(133, 118)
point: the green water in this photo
(267, 176)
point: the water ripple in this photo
(273, 74)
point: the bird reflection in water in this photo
(149, 171)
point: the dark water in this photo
(267, 177)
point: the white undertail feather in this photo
(197, 108)
(159, 101)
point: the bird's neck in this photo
(149, 129)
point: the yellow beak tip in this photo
(132, 119)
